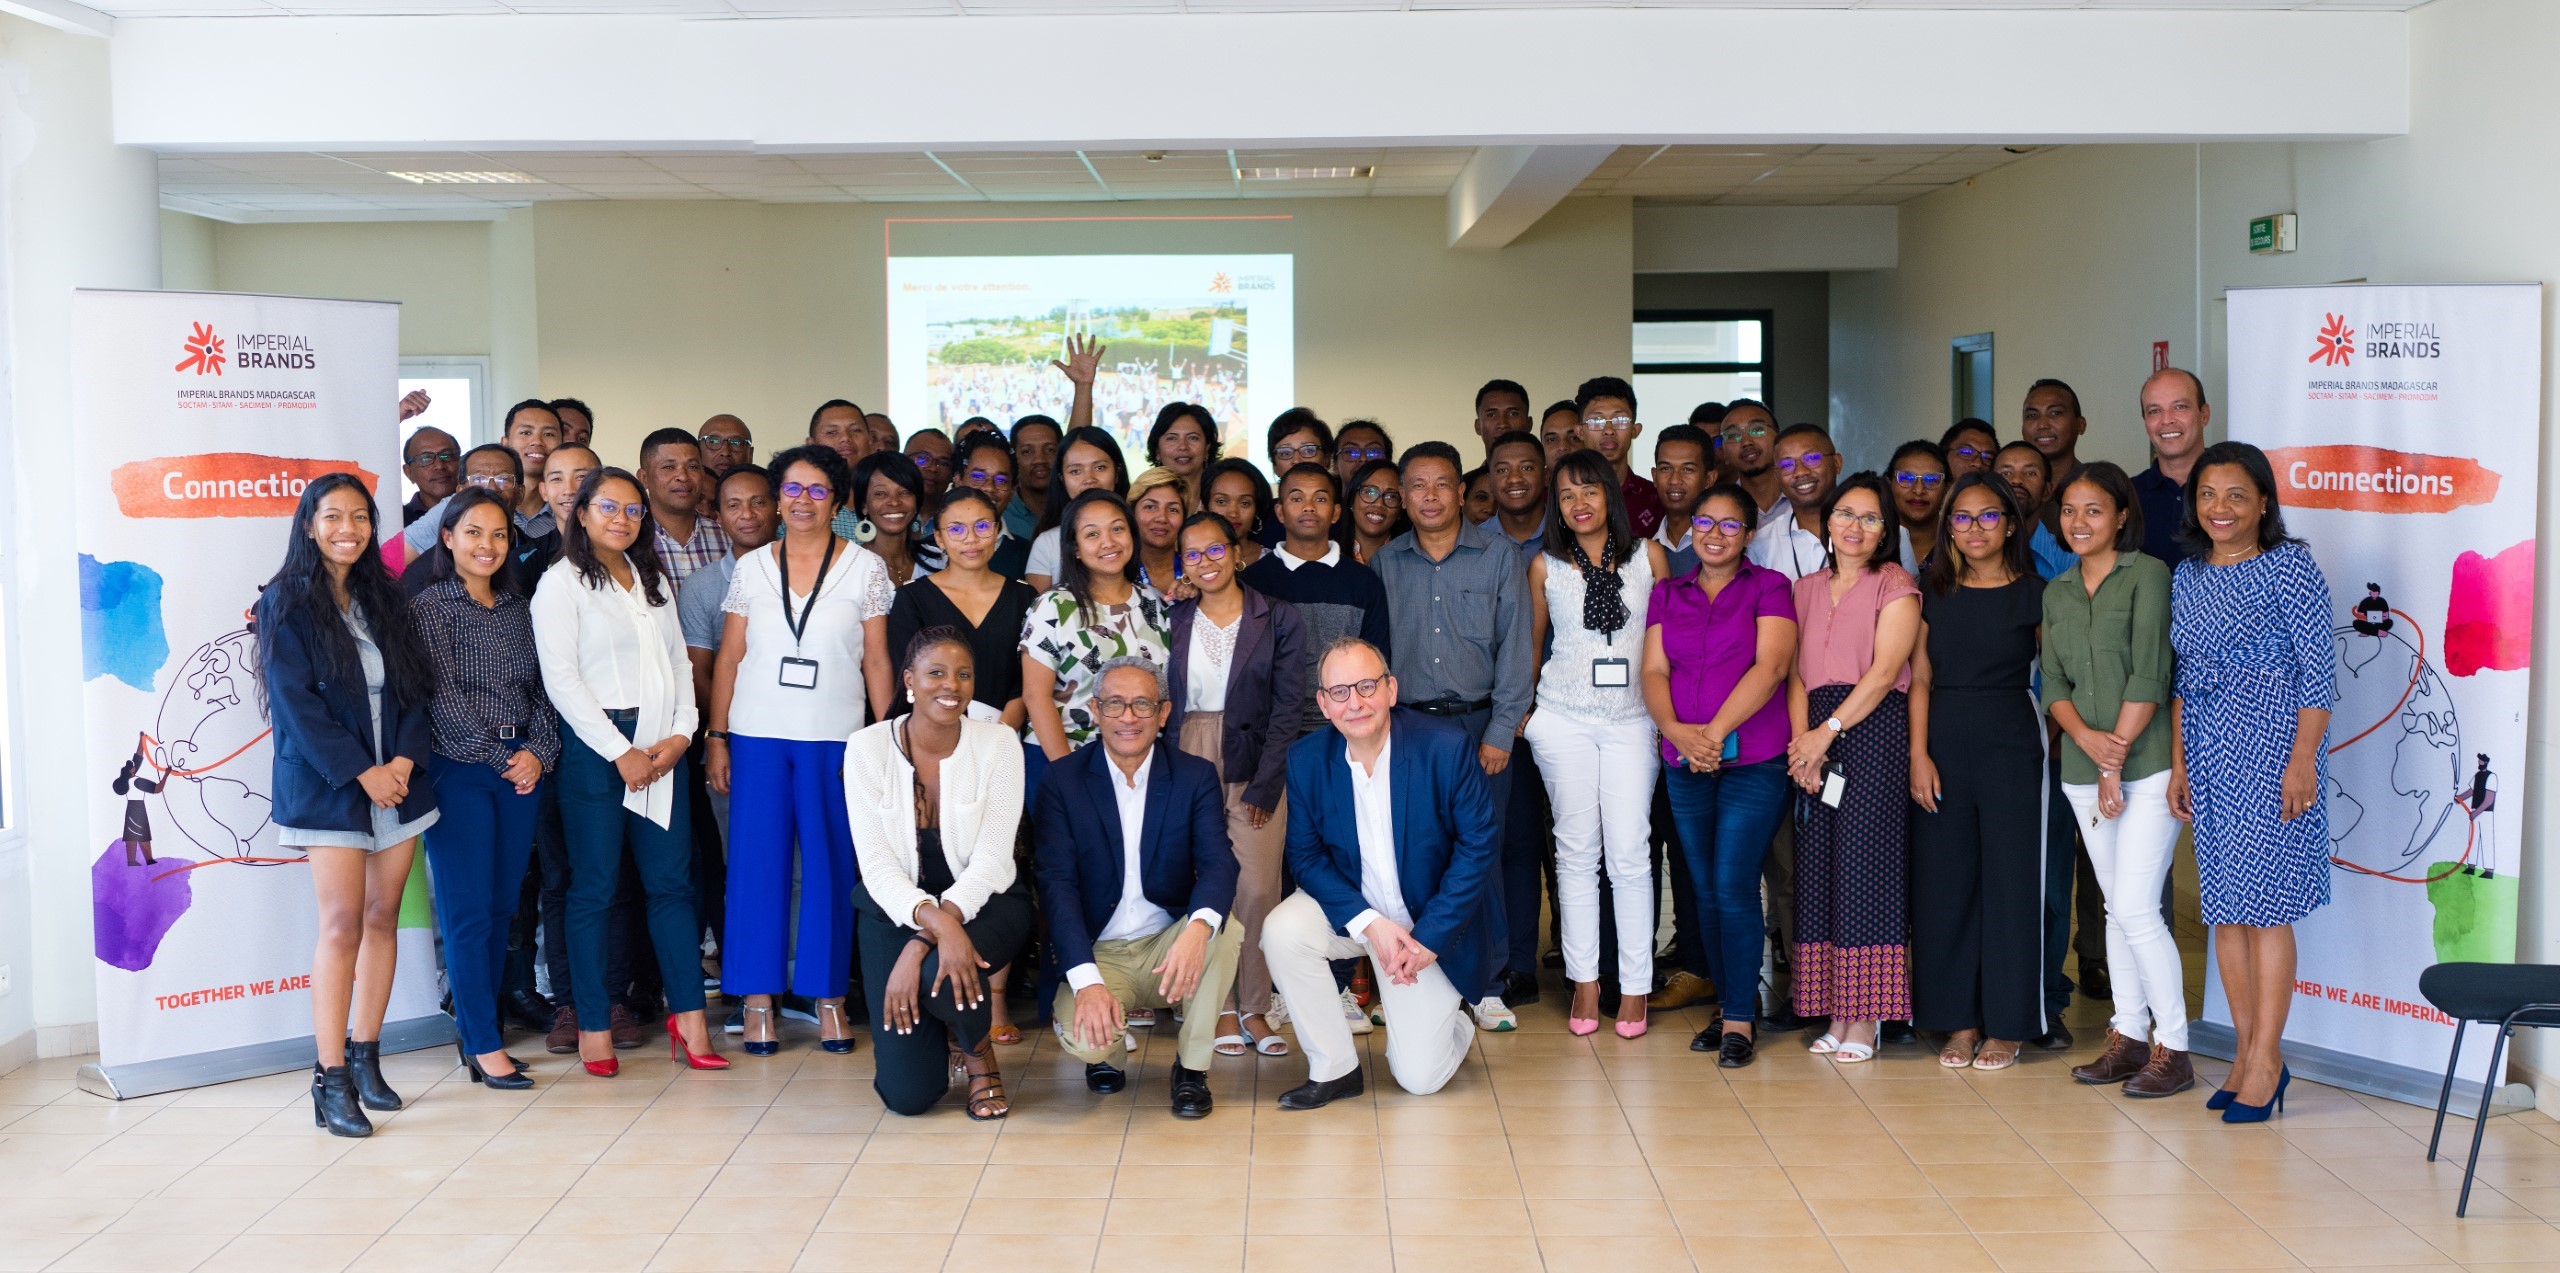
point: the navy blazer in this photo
(1448, 845)
(324, 736)
(1271, 664)
(1185, 861)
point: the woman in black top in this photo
(495, 737)
(1977, 880)
(969, 595)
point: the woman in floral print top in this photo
(1098, 612)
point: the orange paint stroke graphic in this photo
(2372, 479)
(223, 484)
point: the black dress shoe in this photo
(526, 1010)
(2057, 1039)
(1313, 1095)
(1705, 1040)
(1897, 1032)
(518, 1081)
(1191, 1097)
(1781, 1020)
(1735, 1052)
(1519, 989)
(2094, 984)
(1104, 1079)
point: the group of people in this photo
(913, 728)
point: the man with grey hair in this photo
(1129, 833)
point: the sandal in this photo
(1998, 1054)
(1852, 1053)
(1824, 1046)
(1232, 1042)
(1959, 1049)
(831, 1014)
(1269, 1042)
(987, 1101)
(1004, 1034)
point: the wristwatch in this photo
(721, 734)
(1834, 725)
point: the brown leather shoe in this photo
(563, 1038)
(1684, 988)
(2122, 1059)
(626, 1028)
(2168, 1073)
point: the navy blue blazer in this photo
(1448, 844)
(1185, 861)
(324, 736)
(1271, 664)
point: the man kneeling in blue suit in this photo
(1128, 833)
(1394, 845)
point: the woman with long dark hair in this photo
(1977, 769)
(1098, 612)
(1372, 511)
(2257, 673)
(347, 686)
(604, 621)
(1235, 489)
(495, 738)
(969, 596)
(889, 495)
(1184, 439)
(1088, 460)
(1921, 488)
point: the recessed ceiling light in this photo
(468, 178)
(1306, 174)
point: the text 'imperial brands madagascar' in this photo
(2372, 479)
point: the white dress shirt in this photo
(1213, 648)
(1332, 556)
(1785, 547)
(1373, 811)
(1135, 918)
(606, 648)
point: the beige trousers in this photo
(1128, 970)
(1258, 854)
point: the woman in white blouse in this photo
(613, 662)
(803, 654)
(935, 798)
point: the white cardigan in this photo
(981, 806)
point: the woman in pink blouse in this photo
(1858, 618)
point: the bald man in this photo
(725, 442)
(432, 461)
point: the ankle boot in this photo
(2168, 1073)
(333, 1103)
(364, 1064)
(2122, 1059)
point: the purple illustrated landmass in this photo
(136, 905)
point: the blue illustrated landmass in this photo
(120, 630)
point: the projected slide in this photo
(974, 336)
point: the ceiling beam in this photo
(1503, 190)
(62, 15)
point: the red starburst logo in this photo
(1221, 284)
(2336, 343)
(204, 351)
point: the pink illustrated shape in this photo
(2488, 619)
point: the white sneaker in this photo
(1357, 1016)
(1493, 1015)
(1279, 1014)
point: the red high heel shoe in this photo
(605, 1068)
(675, 1043)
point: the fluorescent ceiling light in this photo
(1306, 174)
(467, 178)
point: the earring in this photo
(864, 532)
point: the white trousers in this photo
(1428, 1032)
(1600, 786)
(2130, 853)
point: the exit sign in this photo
(2271, 234)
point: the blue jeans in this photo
(597, 828)
(1726, 819)
(476, 855)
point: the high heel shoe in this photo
(763, 1047)
(697, 1060)
(2239, 1113)
(1634, 1029)
(334, 1105)
(2221, 1099)
(518, 1081)
(364, 1069)
(835, 1010)
(603, 1069)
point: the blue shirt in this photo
(1529, 548)
(2164, 509)
(2051, 557)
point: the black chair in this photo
(2505, 995)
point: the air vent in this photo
(468, 178)
(1307, 174)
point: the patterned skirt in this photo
(1853, 866)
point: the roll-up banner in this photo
(199, 419)
(2404, 428)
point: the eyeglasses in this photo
(1115, 708)
(1214, 552)
(1308, 453)
(708, 441)
(1863, 521)
(981, 477)
(966, 530)
(1366, 688)
(1364, 454)
(608, 510)
(1971, 453)
(1712, 525)
(1922, 481)
(1756, 432)
(494, 481)
(1988, 519)
(1615, 423)
(927, 460)
(1387, 495)
(423, 458)
(807, 490)
(1810, 459)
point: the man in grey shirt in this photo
(743, 504)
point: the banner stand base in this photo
(202, 1069)
(2371, 1077)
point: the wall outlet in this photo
(4, 979)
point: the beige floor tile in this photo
(140, 1252)
(893, 1215)
(2330, 1210)
(1807, 1255)
(2045, 1214)
(436, 1253)
(1350, 1180)
(754, 1215)
(1540, 1180)
(874, 1253)
(25, 1253)
(333, 1215)
(623, 1180)
(1000, 1214)
(1264, 1253)
(2144, 1211)
(288, 1253)
(1995, 1180)
(2366, 1245)
(1681, 1185)
(1015, 1253)
(486, 1177)
(724, 1252)
(1485, 1253)
(2176, 1250)
(1291, 1217)
(1211, 1216)
(2062, 1252)
(1600, 1217)
(1457, 1217)
(2472, 1242)
(1707, 1222)
(1132, 1180)
(1207, 1253)
(1615, 1254)
(2102, 1178)
(1914, 1253)
(595, 1216)
(1868, 1217)
(1861, 1180)
(474, 1215)
(617, 1252)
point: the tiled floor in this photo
(1548, 1152)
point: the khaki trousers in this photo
(1128, 970)
(1258, 855)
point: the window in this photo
(1686, 357)
(457, 402)
(1969, 375)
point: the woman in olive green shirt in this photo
(2107, 672)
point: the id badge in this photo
(799, 674)
(1835, 783)
(1611, 674)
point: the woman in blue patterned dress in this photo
(2249, 617)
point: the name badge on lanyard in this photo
(1610, 674)
(800, 673)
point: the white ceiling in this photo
(1009, 8)
(299, 186)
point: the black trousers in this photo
(544, 909)
(1528, 861)
(911, 1072)
(1977, 874)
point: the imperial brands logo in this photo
(2336, 344)
(274, 351)
(1220, 284)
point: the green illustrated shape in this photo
(2475, 914)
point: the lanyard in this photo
(782, 558)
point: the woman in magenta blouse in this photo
(1717, 647)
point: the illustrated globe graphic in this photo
(207, 737)
(2396, 762)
